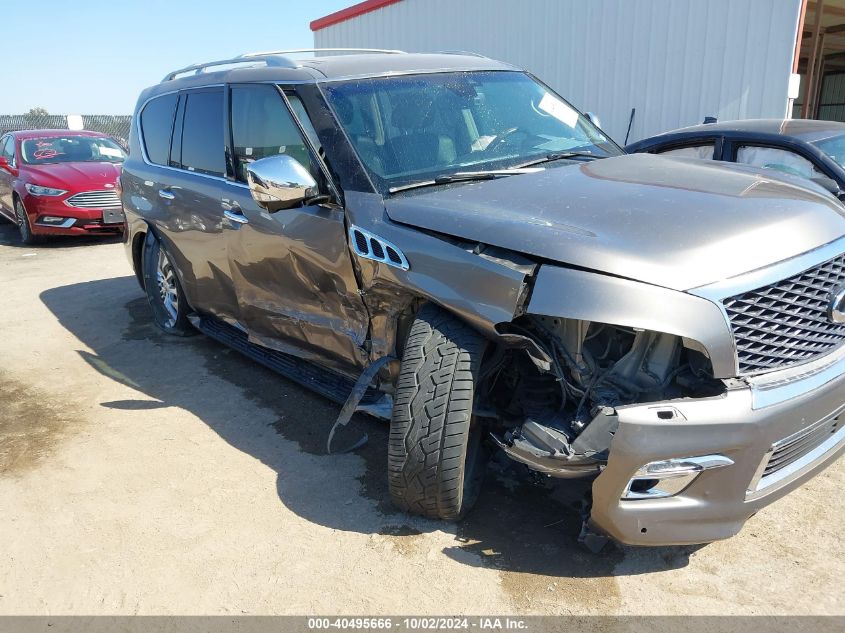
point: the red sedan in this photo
(60, 182)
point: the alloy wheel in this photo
(167, 288)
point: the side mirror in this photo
(592, 118)
(828, 183)
(279, 182)
(4, 163)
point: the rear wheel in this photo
(27, 236)
(164, 291)
(436, 457)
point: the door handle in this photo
(235, 215)
(167, 195)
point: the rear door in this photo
(189, 196)
(292, 271)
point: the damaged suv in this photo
(452, 243)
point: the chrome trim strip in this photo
(770, 274)
(797, 468)
(69, 222)
(779, 386)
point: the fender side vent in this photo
(361, 246)
(393, 256)
(378, 251)
(376, 248)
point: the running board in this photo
(327, 383)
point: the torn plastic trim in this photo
(549, 451)
(351, 404)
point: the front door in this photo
(296, 288)
(7, 151)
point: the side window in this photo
(262, 126)
(775, 158)
(157, 127)
(299, 110)
(203, 147)
(704, 151)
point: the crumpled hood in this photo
(670, 222)
(79, 176)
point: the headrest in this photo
(343, 107)
(412, 111)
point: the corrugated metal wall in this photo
(675, 61)
(832, 102)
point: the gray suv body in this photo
(454, 244)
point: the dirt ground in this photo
(144, 474)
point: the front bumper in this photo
(743, 425)
(76, 221)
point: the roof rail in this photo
(386, 51)
(467, 53)
(269, 59)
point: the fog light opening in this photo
(55, 220)
(669, 477)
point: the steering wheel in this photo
(499, 139)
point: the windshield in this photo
(408, 129)
(71, 149)
(834, 147)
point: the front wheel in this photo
(164, 291)
(27, 236)
(437, 457)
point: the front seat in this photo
(415, 149)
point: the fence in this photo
(113, 125)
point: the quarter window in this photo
(704, 152)
(202, 133)
(775, 158)
(157, 127)
(262, 126)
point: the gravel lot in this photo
(142, 474)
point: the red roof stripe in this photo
(350, 12)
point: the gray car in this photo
(443, 241)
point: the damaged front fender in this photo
(581, 295)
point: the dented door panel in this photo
(296, 288)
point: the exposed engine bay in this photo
(550, 395)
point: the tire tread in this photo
(432, 413)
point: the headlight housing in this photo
(37, 190)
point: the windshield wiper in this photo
(463, 176)
(559, 156)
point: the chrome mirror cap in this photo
(279, 182)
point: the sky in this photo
(95, 56)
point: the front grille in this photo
(95, 200)
(786, 323)
(794, 447)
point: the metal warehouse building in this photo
(670, 62)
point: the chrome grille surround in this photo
(785, 323)
(106, 199)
